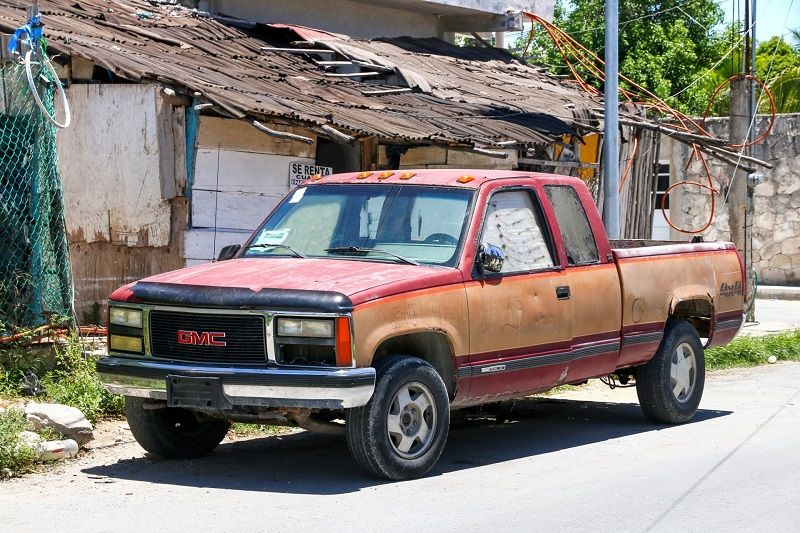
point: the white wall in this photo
(240, 176)
(109, 160)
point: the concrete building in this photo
(385, 18)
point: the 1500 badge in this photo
(493, 368)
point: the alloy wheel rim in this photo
(411, 420)
(683, 372)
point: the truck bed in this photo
(629, 248)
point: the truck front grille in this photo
(208, 338)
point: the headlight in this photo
(305, 327)
(123, 316)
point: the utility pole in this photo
(740, 192)
(611, 133)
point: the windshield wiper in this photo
(292, 250)
(356, 249)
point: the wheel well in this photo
(430, 346)
(698, 312)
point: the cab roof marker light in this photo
(407, 175)
(465, 179)
(363, 175)
(385, 175)
(316, 177)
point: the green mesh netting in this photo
(35, 278)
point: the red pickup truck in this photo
(387, 299)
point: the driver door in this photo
(520, 330)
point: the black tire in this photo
(173, 433)
(380, 451)
(656, 383)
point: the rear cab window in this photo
(576, 232)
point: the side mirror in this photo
(490, 258)
(228, 252)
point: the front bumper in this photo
(268, 387)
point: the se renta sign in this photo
(300, 172)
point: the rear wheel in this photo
(401, 432)
(173, 433)
(670, 385)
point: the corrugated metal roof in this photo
(459, 95)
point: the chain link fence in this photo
(35, 276)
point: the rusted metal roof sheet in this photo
(453, 95)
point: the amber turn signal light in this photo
(124, 343)
(344, 344)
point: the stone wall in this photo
(776, 200)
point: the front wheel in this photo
(670, 385)
(173, 433)
(401, 432)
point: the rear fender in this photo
(695, 304)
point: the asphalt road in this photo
(773, 316)
(557, 465)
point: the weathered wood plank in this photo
(110, 166)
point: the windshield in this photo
(390, 223)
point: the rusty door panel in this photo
(596, 313)
(513, 320)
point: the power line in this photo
(753, 117)
(711, 69)
(649, 15)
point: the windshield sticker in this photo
(275, 236)
(297, 196)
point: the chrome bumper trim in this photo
(271, 387)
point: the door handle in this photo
(562, 293)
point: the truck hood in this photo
(359, 281)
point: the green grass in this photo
(241, 430)
(754, 351)
(74, 380)
(15, 458)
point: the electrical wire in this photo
(636, 94)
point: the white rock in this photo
(68, 421)
(789, 183)
(772, 359)
(29, 439)
(780, 261)
(790, 246)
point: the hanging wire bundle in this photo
(591, 65)
(35, 277)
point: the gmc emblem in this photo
(206, 338)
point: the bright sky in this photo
(774, 17)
